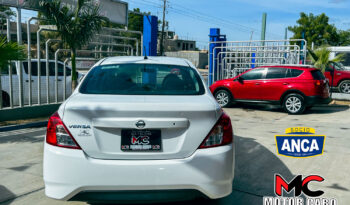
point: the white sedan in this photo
(139, 129)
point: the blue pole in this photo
(214, 36)
(150, 35)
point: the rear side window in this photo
(142, 79)
(60, 69)
(35, 68)
(273, 73)
(5, 69)
(254, 74)
(293, 73)
(317, 75)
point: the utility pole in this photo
(263, 28)
(163, 27)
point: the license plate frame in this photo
(133, 140)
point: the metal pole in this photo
(163, 27)
(30, 57)
(39, 61)
(64, 79)
(128, 31)
(19, 63)
(263, 28)
(9, 67)
(123, 38)
(113, 44)
(47, 72)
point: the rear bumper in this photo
(69, 172)
(316, 100)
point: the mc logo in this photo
(300, 142)
(142, 140)
(299, 185)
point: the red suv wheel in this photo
(294, 104)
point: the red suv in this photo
(295, 88)
(338, 77)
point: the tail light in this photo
(57, 134)
(318, 82)
(220, 134)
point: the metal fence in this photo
(39, 81)
(231, 58)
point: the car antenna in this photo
(144, 52)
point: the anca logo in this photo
(300, 142)
(300, 186)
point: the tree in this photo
(9, 12)
(316, 29)
(76, 26)
(344, 38)
(320, 58)
(10, 51)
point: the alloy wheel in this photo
(345, 87)
(293, 104)
(222, 98)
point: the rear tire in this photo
(294, 104)
(223, 97)
(344, 87)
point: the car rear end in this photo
(320, 90)
(119, 144)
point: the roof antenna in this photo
(145, 53)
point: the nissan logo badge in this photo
(140, 124)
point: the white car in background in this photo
(344, 50)
(137, 129)
(5, 82)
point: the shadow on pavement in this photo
(254, 175)
(6, 196)
(327, 109)
(323, 109)
(32, 137)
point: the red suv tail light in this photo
(58, 135)
(318, 82)
(220, 134)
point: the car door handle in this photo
(257, 83)
(285, 83)
(338, 73)
(30, 81)
(59, 80)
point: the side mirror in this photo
(240, 79)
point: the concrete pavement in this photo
(341, 96)
(256, 159)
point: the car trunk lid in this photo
(97, 121)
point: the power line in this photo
(208, 18)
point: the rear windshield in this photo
(142, 79)
(317, 75)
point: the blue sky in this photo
(192, 19)
(237, 18)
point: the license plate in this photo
(141, 140)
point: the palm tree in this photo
(320, 58)
(9, 51)
(76, 26)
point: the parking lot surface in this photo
(256, 158)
